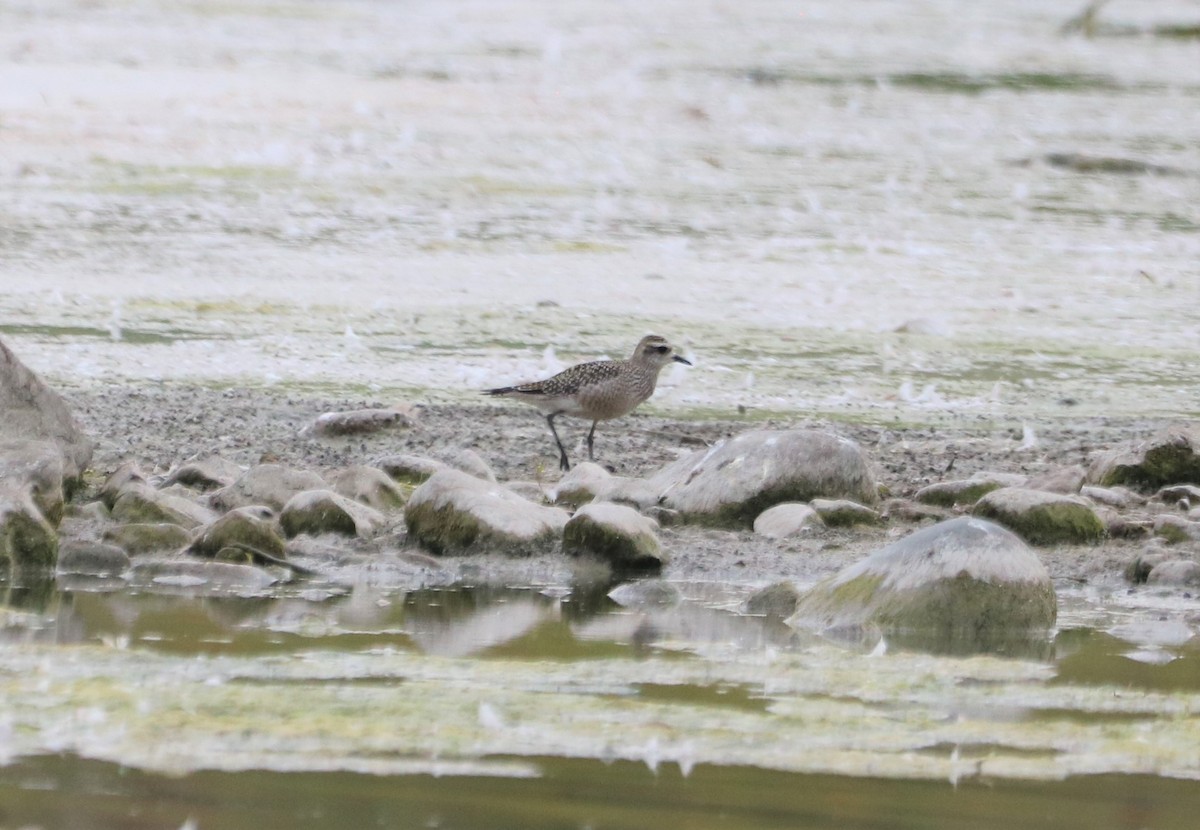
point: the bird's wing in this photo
(568, 381)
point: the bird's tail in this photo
(498, 391)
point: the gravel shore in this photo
(162, 426)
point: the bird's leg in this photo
(591, 435)
(563, 463)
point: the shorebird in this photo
(600, 390)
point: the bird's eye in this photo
(662, 349)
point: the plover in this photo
(600, 390)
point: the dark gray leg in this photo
(563, 463)
(591, 435)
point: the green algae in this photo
(820, 712)
(1060, 522)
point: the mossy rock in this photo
(370, 486)
(27, 541)
(1042, 518)
(238, 528)
(323, 511)
(615, 534)
(962, 585)
(92, 558)
(844, 513)
(1165, 459)
(777, 600)
(136, 539)
(454, 512)
(36, 467)
(142, 504)
(961, 491)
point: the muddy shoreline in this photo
(163, 426)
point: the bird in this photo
(599, 390)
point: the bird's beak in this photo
(679, 359)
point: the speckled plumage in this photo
(600, 390)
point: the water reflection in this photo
(537, 623)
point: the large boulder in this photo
(616, 534)
(453, 512)
(961, 585)
(27, 541)
(31, 411)
(735, 480)
(1168, 457)
(1043, 518)
(269, 484)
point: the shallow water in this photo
(489, 707)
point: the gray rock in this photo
(778, 600)
(1042, 518)
(37, 467)
(92, 558)
(409, 469)
(269, 484)
(200, 576)
(360, 421)
(1121, 498)
(1139, 568)
(1167, 458)
(208, 473)
(962, 585)
(244, 526)
(323, 511)
(967, 490)
(844, 513)
(1175, 572)
(368, 485)
(28, 543)
(31, 411)
(1188, 493)
(453, 512)
(583, 483)
(128, 473)
(469, 462)
(1066, 480)
(137, 539)
(142, 504)
(735, 480)
(616, 534)
(1120, 526)
(787, 519)
(1175, 528)
(415, 469)
(588, 481)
